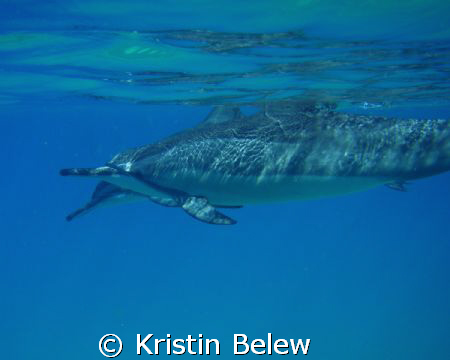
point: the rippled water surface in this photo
(205, 53)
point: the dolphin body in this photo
(107, 194)
(287, 151)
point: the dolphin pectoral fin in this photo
(199, 208)
(398, 186)
(166, 201)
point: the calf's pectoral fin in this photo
(164, 201)
(199, 208)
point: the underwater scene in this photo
(225, 178)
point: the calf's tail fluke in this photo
(100, 171)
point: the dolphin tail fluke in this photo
(100, 171)
(200, 209)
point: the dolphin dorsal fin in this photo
(221, 114)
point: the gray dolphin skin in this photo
(289, 150)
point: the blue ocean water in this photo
(364, 276)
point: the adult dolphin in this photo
(290, 150)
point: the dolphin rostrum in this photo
(289, 150)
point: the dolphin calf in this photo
(106, 194)
(289, 150)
